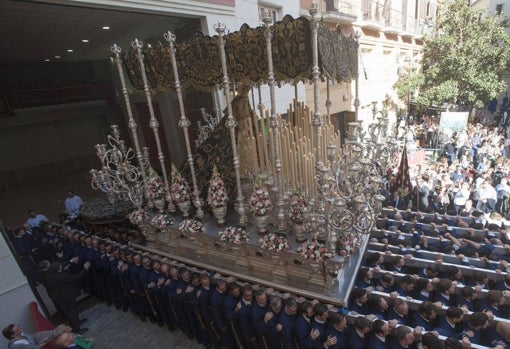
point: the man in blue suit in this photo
(288, 320)
(359, 299)
(476, 329)
(358, 338)
(451, 324)
(337, 329)
(303, 327)
(243, 317)
(431, 341)
(230, 307)
(400, 312)
(207, 330)
(319, 326)
(425, 316)
(258, 315)
(218, 297)
(380, 330)
(404, 338)
(180, 298)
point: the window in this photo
(499, 9)
(272, 12)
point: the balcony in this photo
(373, 15)
(339, 11)
(393, 21)
(410, 26)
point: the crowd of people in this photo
(471, 175)
(457, 211)
(437, 296)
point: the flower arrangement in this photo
(161, 220)
(217, 195)
(138, 216)
(260, 203)
(155, 188)
(273, 242)
(179, 188)
(298, 208)
(234, 235)
(348, 243)
(190, 227)
(313, 250)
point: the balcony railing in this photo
(341, 10)
(373, 11)
(393, 18)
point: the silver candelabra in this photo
(118, 177)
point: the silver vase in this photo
(219, 214)
(184, 207)
(261, 222)
(159, 204)
(299, 232)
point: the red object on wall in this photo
(41, 323)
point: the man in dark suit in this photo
(380, 330)
(303, 327)
(397, 202)
(358, 338)
(319, 326)
(359, 299)
(451, 324)
(425, 316)
(64, 288)
(230, 309)
(404, 338)
(203, 312)
(400, 312)
(337, 329)
(243, 317)
(218, 296)
(258, 317)
(287, 320)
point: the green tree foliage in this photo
(463, 59)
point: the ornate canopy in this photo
(199, 63)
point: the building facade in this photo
(390, 37)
